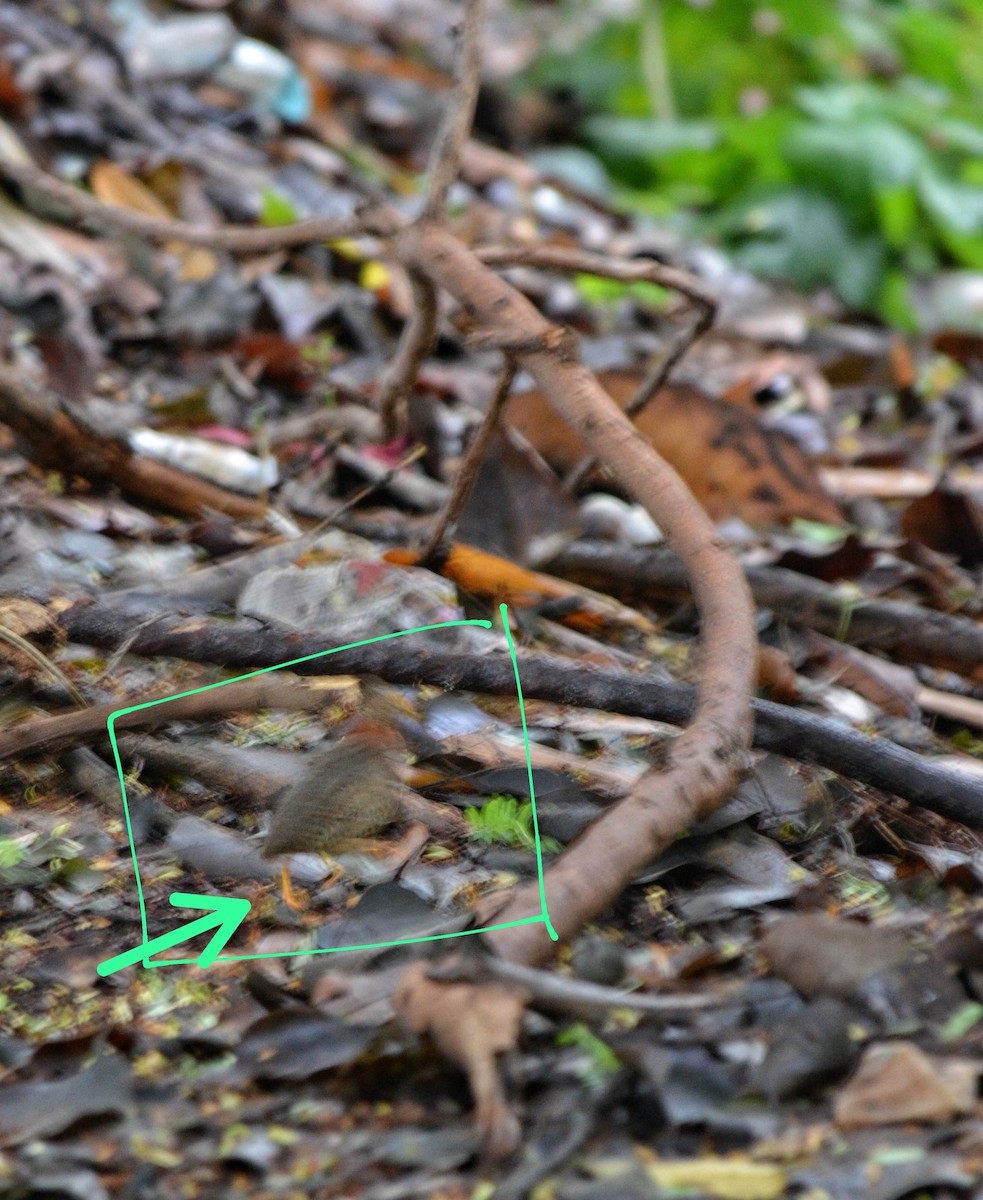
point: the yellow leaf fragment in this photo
(725, 1178)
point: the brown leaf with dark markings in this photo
(730, 462)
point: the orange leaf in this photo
(111, 184)
(500, 581)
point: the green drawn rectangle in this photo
(543, 914)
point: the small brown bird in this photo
(348, 790)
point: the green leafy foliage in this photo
(824, 142)
(968, 743)
(817, 533)
(11, 853)
(603, 292)
(965, 1017)
(275, 209)
(601, 1061)
(505, 820)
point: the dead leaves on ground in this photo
(732, 464)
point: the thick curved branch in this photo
(709, 757)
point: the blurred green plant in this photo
(602, 292)
(276, 209)
(505, 820)
(824, 142)
(11, 853)
(600, 1061)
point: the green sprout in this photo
(601, 1059)
(11, 852)
(506, 821)
(276, 209)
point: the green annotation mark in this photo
(228, 912)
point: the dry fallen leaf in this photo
(898, 1082)
(111, 184)
(723, 1178)
(481, 574)
(730, 462)
(471, 1025)
(820, 956)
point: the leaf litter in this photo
(833, 928)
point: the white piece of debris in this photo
(228, 466)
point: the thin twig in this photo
(420, 331)
(418, 336)
(121, 652)
(374, 486)
(445, 156)
(45, 663)
(50, 735)
(649, 387)
(563, 258)
(242, 241)
(468, 472)
(563, 992)
(634, 271)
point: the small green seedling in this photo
(506, 821)
(601, 1060)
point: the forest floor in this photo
(202, 501)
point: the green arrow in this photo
(228, 914)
